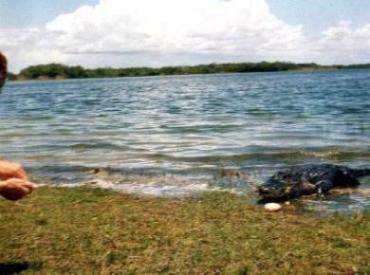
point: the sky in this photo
(125, 33)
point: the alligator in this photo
(309, 179)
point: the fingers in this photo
(29, 186)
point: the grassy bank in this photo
(86, 231)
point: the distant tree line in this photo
(60, 71)
(354, 66)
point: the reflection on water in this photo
(187, 126)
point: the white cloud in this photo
(348, 37)
(168, 32)
(172, 26)
(28, 46)
(340, 44)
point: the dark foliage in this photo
(54, 70)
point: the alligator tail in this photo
(360, 173)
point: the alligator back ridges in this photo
(309, 179)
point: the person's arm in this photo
(10, 170)
(14, 183)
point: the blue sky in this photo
(316, 15)
(19, 13)
(323, 31)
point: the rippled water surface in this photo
(187, 132)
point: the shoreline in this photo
(337, 201)
(42, 79)
(86, 230)
(56, 71)
(61, 79)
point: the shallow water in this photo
(186, 132)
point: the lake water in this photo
(175, 135)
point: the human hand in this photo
(15, 189)
(10, 170)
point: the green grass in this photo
(92, 231)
